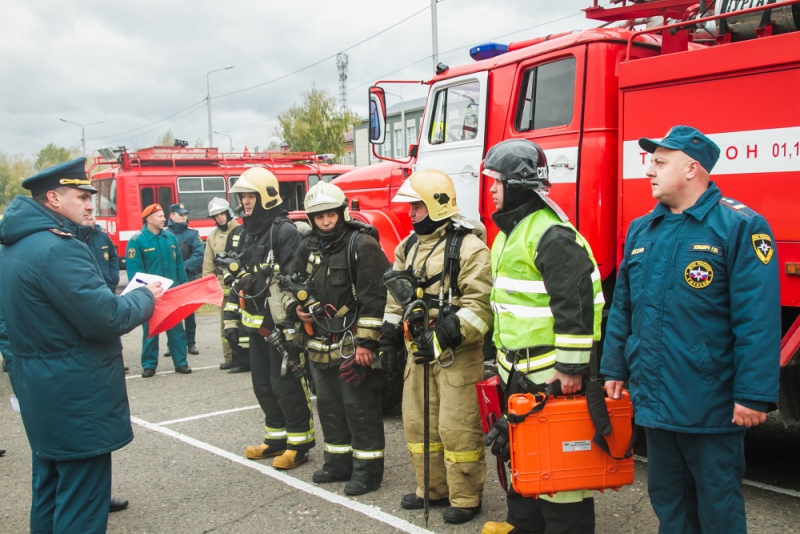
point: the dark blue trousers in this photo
(695, 481)
(71, 497)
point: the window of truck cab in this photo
(105, 201)
(546, 96)
(195, 192)
(455, 113)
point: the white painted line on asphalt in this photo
(370, 511)
(212, 414)
(172, 372)
(753, 483)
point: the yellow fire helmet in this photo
(432, 187)
(324, 197)
(259, 180)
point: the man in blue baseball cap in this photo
(192, 249)
(64, 326)
(695, 330)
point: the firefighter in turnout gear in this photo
(547, 303)
(267, 244)
(341, 264)
(236, 359)
(458, 298)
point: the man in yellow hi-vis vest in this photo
(547, 302)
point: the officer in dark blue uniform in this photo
(695, 330)
(155, 251)
(104, 252)
(192, 250)
(70, 381)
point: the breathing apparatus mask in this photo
(229, 262)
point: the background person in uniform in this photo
(457, 465)
(340, 257)
(695, 330)
(103, 250)
(268, 242)
(70, 382)
(220, 210)
(191, 248)
(548, 305)
(155, 251)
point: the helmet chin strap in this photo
(544, 195)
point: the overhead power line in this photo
(323, 59)
(146, 125)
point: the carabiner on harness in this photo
(342, 343)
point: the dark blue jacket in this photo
(64, 326)
(104, 252)
(695, 323)
(155, 254)
(191, 247)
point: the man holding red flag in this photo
(155, 251)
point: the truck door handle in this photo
(564, 165)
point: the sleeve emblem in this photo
(762, 244)
(131, 253)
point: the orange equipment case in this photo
(553, 450)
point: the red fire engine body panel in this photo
(192, 176)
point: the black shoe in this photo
(127, 369)
(460, 515)
(147, 373)
(185, 370)
(227, 365)
(321, 476)
(239, 370)
(354, 487)
(192, 349)
(118, 504)
(412, 502)
(2, 452)
(168, 354)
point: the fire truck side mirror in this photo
(412, 150)
(377, 116)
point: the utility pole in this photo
(208, 103)
(435, 35)
(83, 130)
(341, 63)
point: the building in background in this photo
(394, 146)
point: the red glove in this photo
(353, 374)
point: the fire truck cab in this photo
(191, 176)
(586, 97)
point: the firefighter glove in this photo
(428, 348)
(392, 360)
(498, 439)
(448, 331)
(232, 337)
(245, 283)
(352, 373)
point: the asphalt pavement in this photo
(184, 472)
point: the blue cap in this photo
(178, 208)
(69, 174)
(689, 141)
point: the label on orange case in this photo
(576, 446)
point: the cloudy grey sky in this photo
(135, 63)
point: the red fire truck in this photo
(728, 68)
(191, 176)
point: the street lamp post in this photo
(434, 35)
(226, 135)
(83, 130)
(208, 103)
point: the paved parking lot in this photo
(185, 473)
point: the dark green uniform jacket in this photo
(64, 326)
(155, 254)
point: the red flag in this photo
(180, 302)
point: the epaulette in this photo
(60, 233)
(736, 205)
(134, 236)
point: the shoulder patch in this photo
(134, 236)
(60, 233)
(762, 244)
(736, 205)
(131, 253)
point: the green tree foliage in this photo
(13, 169)
(318, 125)
(168, 139)
(51, 155)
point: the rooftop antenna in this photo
(341, 64)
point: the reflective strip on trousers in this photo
(338, 449)
(367, 455)
(298, 438)
(463, 457)
(274, 433)
(419, 448)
